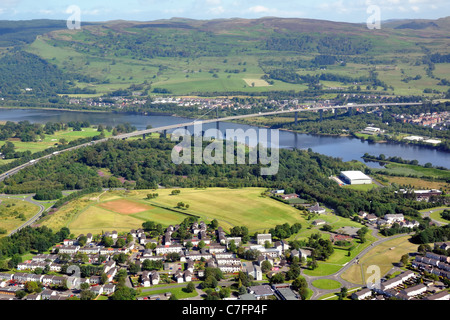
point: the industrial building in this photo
(355, 177)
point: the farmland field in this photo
(231, 207)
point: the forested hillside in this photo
(145, 164)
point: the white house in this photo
(391, 218)
(263, 237)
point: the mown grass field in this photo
(326, 284)
(361, 187)
(231, 207)
(384, 256)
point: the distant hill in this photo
(13, 33)
(237, 56)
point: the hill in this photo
(248, 56)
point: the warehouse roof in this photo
(355, 175)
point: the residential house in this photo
(109, 265)
(216, 248)
(371, 218)
(229, 268)
(414, 291)
(46, 294)
(317, 209)
(252, 270)
(443, 295)
(288, 196)
(362, 294)
(391, 218)
(154, 277)
(145, 279)
(164, 249)
(109, 288)
(261, 291)
(318, 222)
(237, 241)
(263, 237)
(98, 290)
(70, 249)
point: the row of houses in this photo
(388, 220)
(433, 264)
(46, 280)
(404, 286)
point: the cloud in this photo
(259, 9)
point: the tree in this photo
(120, 243)
(134, 268)
(108, 241)
(404, 259)
(294, 271)
(312, 264)
(201, 244)
(149, 225)
(210, 282)
(82, 241)
(190, 287)
(362, 234)
(32, 287)
(87, 295)
(21, 294)
(214, 224)
(266, 266)
(277, 278)
(189, 245)
(343, 293)
(124, 293)
(103, 278)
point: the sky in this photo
(146, 10)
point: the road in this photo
(28, 198)
(337, 275)
(429, 212)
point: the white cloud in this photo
(258, 9)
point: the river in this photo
(346, 148)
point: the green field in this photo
(52, 140)
(383, 256)
(177, 291)
(231, 207)
(361, 187)
(10, 210)
(326, 284)
(417, 171)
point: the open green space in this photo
(14, 212)
(326, 284)
(231, 207)
(179, 292)
(384, 256)
(361, 187)
(59, 137)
